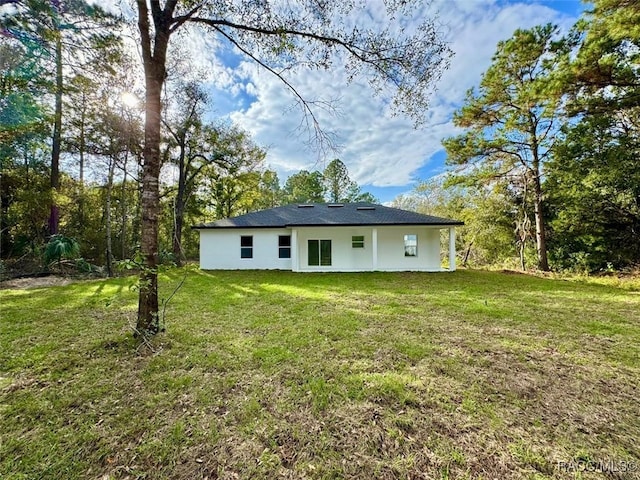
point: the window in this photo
(284, 246)
(319, 252)
(357, 241)
(246, 246)
(410, 245)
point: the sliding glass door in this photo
(319, 252)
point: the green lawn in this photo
(265, 375)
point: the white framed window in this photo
(357, 241)
(411, 245)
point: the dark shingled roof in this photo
(327, 214)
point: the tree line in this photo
(212, 170)
(546, 171)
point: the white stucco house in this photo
(350, 237)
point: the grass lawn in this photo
(265, 375)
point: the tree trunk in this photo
(467, 253)
(107, 217)
(523, 227)
(54, 215)
(82, 142)
(541, 240)
(154, 56)
(136, 219)
(148, 322)
(177, 234)
(82, 145)
(178, 211)
(123, 205)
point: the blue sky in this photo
(384, 154)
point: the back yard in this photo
(265, 375)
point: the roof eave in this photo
(232, 227)
(388, 224)
(291, 225)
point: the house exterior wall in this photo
(220, 249)
(391, 249)
(344, 257)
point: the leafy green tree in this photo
(593, 181)
(512, 122)
(271, 194)
(604, 76)
(88, 228)
(23, 132)
(340, 188)
(366, 197)
(594, 189)
(337, 184)
(219, 159)
(188, 152)
(233, 173)
(25, 200)
(22, 116)
(304, 187)
(103, 134)
(89, 93)
(235, 194)
(58, 37)
(81, 102)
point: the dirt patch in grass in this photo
(37, 282)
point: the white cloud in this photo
(379, 149)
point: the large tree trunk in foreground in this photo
(148, 322)
(154, 58)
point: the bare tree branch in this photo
(321, 136)
(180, 20)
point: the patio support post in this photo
(294, 251)
(452, 249)
(374, 248)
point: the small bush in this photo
(166, 257)
(60, 247)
